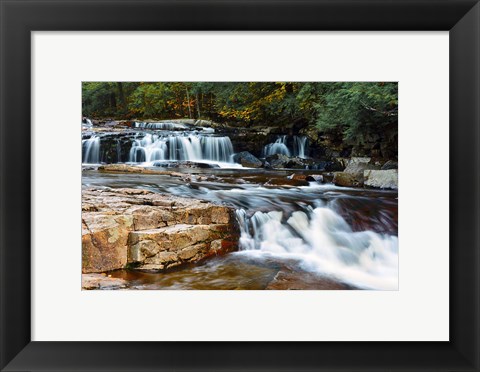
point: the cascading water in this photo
(191, 147)
(300, 146)
(325, 244)
(161, 125)
(87, 123)
(278, 147)
(91, 150)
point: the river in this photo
(295, 234)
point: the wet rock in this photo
(267, 165)
(185, 164)
(345, 179)
(280, 161)
(306, 177)
(383, 179)
(315, 178)
(111, 216)
(326, 166)
(101, 281)
(124, 168)
(291, 280)
(295, 176)
(247, 160)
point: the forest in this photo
(354, 109)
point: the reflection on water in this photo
(233, 271)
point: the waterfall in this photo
(278, 147)
(324, 242)
(181, 147)
(300, 146)
(87, 123)
(161, 125)
(217, 148)
(91, 150)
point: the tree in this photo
(353, 109)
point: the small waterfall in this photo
(161, 125)
(182, 147)
(91, 150)
(278, 147)
(119, 151)
(217, 148)
(148, 148)
(325, 244)
(87, 123)
(300, 146)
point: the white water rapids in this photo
(324, 243)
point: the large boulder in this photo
(352, 176)
(383, 179)
(280, 161)
(345, 179)
(171, 246)
(327, 165)
(115, 221)
(247, 160)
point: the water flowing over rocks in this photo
(150, 230)
(287, 212)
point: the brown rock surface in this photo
(345, 179)
(173, 245)
(101, 281)
(290, 280)
(121, 226)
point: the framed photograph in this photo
(239, 185)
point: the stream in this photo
(303, 234)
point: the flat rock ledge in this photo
(150, 231)
(102, 281)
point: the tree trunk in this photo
(121, 96)
(188, 100)
(198, 105)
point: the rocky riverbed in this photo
(179, 205)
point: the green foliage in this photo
(358, 109)
(353, 109)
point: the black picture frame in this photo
(18, 18)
